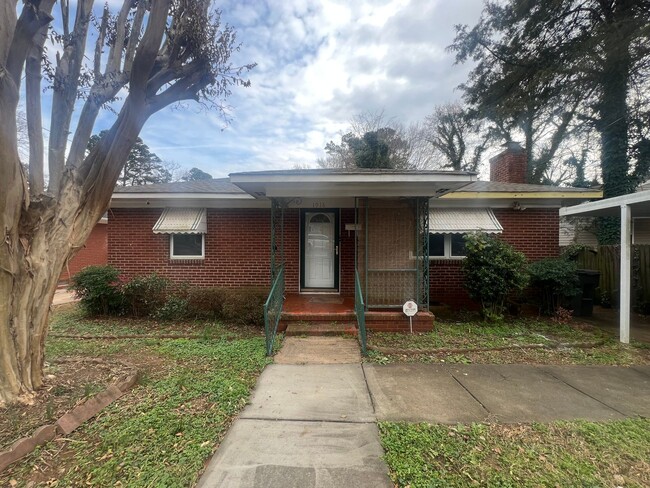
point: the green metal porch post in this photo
(277, 234)
(422, 239)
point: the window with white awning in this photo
(182, 221)
(447, 226)
(186, 228)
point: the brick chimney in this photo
(509, 166)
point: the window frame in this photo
(186, 257)
(447, 249)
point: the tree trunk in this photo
(49, 236)
(613, 123)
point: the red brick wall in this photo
(509, 166)
(237, 248)
(535, 232)
(446, 283)
(95, 251)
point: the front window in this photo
(437, 245)
(187, 246)
(458, 245)
(447, 246)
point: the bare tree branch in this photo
(115, 53)
(99, 44)
(31, 19)
(33, 107)
(64, 96)
(134, 37)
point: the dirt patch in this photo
(67, 383)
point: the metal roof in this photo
(463, 220)
(182, 221)
(639, 204)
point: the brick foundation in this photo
(396, 321)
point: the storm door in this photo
(320, 250)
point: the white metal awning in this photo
(182, 221)
(463, 220)
(634, 205)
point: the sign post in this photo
(410, 308)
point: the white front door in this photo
(320, 249)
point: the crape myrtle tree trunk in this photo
(153, 54)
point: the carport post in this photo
(624, 289)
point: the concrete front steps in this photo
(318, 324)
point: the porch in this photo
(348, 248)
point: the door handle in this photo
(336, 248)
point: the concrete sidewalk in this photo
(507, 393)
(313, 425)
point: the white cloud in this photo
(319, 64)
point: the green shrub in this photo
(145, 294)
(98, 289)
(175, 308)
(244, 306)
(206, 302)
(493, 270)
(556, 279)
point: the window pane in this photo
(458, 245)
(188, 245)
(436, 245)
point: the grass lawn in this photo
(160, 433)
(462, 336)
(561, 454)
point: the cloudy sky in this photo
(320, 63)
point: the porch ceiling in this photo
(332, 184)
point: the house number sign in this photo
(410, 308)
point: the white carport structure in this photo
(628, 207)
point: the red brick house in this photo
(94, 252)
(385, 236)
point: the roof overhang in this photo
(333, 185)
(157, 200)
(639, 203)
(551, 195)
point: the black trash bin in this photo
(583, 302)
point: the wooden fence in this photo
(606, 259)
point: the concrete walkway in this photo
(307, 425)
(313, 425)
(62, 296)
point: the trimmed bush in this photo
(98, 289)
(175, 308)
(493, 270)
(556, 279)
(145, 294)
(206, 302)
(244, 306)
